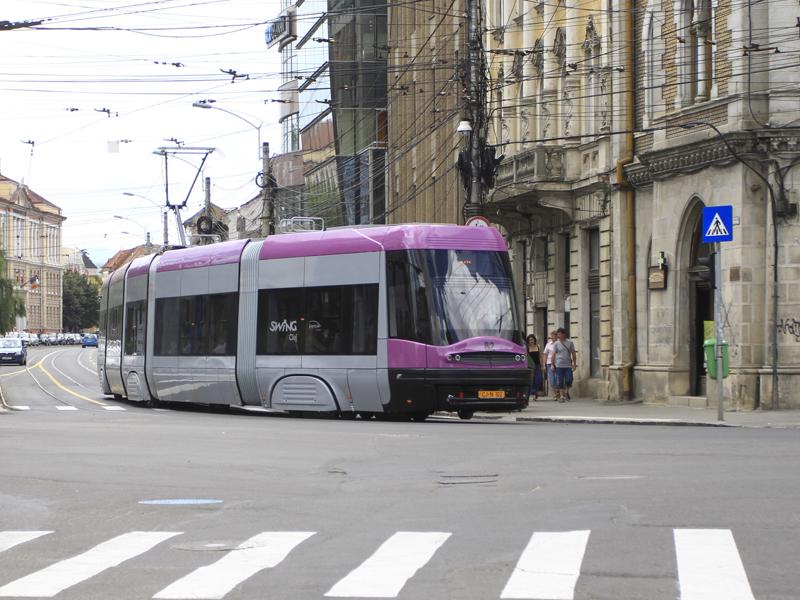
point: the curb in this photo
(625, 421)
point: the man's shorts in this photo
(563, 377)
(551, 377)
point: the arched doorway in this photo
(701, 306)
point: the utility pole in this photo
(474, 105)
(267, 195)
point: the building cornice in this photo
(690, 157)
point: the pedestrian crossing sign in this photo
(717, 224)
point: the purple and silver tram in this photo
(395, 320)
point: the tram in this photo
(382, 321)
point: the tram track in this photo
(39, 382)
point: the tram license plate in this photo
(491, 394)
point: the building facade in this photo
(30, 237)
(720, 95)
(426, 81)
(619, 123)
(552, 73)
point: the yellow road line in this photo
(14, 373)
(69, 391)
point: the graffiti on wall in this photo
(790, 327)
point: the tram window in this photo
(341, 320)
(135, 323)
(363, 308)
(324, 321)
(192, 326)
(166, 327)
(318, 321)
(409, 318)
(115, 323)
(103, 327)
(279, 317)
(223, 317)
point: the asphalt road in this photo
(447, 509)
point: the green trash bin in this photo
(709, 346)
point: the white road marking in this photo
(112, 407)
(214, 581)
(64, 574)
(19, 407)
(9, 539)
(80, 362)
(66, 407)
(385, 573)
(610, 477)
(55, 366)
(709, 566)
(549, 567)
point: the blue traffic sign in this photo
(717, 224)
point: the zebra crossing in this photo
(708, 565)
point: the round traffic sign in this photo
(477, 222)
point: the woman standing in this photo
(535, 364)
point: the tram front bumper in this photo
(487, 390)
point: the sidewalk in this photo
(585, 410)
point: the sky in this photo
(89, 95)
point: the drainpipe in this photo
(630, 196)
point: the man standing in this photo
(549, 365)
(565, 360)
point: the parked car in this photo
(12, 350)
(89, 339)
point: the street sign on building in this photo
(717, 224)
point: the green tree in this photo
(12, 304)
(81, 301)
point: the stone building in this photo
(619, 123)
(552, 70)
(30, 237)
(720, 93)
(427, 42)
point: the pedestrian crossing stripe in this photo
(717, 227)
(709, 566)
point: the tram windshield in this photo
(472, 294)
(447, 296)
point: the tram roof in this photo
(374, 239)
(140, 266)
(224, 253)
(330, 242)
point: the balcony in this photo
(535, 165)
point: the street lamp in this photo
(207, 104)
(268, 209)
(146, 233)
(136, 235)
(164, 212)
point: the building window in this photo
(19, 237)
(594, 301)
(695, 39)
(290, 131)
